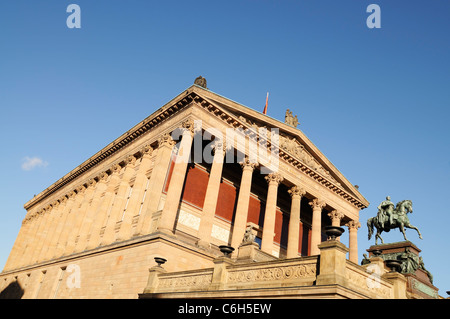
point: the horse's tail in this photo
(370, 226)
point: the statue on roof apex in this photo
(200, 81)
(289, 119)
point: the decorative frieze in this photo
(281, 272)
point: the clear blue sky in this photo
(376, 102)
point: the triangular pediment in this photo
(292, 141)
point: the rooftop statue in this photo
(391, 217)
(200, 81)
(289, 119)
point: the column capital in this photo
(130, 160)
(317, 203)
(81, 189)
(247, 164)
(220, 146)
(353, 225)
(92, 182)
(334, 214)
(72, 194)
(166, 140)
(189, 125)
(116, 168)
(146, 151)
(296, 191)
(274, 178)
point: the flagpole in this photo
(267, 100)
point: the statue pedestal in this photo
(419, 280)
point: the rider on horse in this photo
(386, 208)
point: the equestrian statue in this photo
(389, 217)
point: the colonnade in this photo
(101, 211)
(169, 214)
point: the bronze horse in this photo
(399, 220)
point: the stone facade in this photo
(94, 232)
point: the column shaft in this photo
(274, 180)
(294, 222)
(240, 219)
(211, 196)
(316, 232)
(353, 240)
(170, 210)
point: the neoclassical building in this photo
(199, 173)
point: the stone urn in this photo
(160, 261)
(226, 250)
(334, 231)
(393, 264)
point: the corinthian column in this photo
(317, 206)
(273, 179)
(294, 221)
(240, 219)
(212, 193)
(353, 226)
(170, 210)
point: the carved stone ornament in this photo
(274, 178)
(334, 214)
(131, 160)
(103, 177)
(188, 125)
(247, 164)
(296, 191)
(200, 81)
(166, 140)
(147, 150)
(317, 203)
(289, 119)
(116, 168)
(249, 236)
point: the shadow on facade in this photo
(12, 291)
